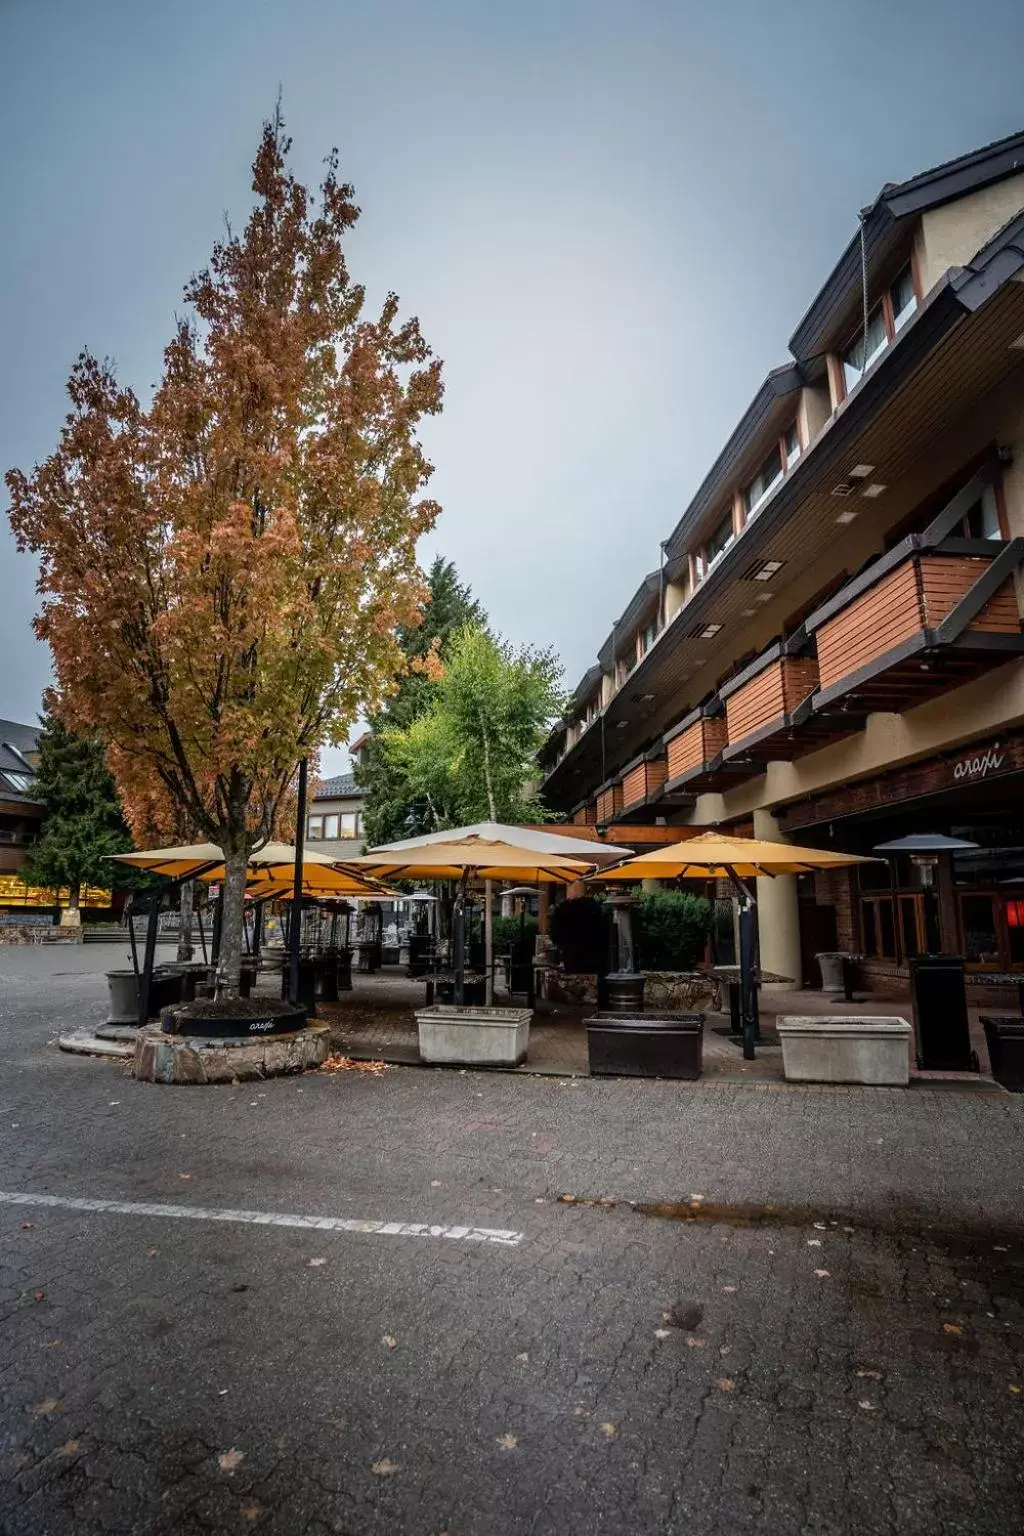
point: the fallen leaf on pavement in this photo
(346, 1064)
(1014, 1390)
(870, 1375)
(867, 1407)
(250, 1511)
(823, 1274)
(1000, 1248)
(819, 1226)
(315, 1263)
(151, 1253)
(567, 1199)
(39, 1295)
(184, 1175)
(609, 1429)
(695, 1343)
(662, 1333)
(384, 1468)
(389, 1341)
(48, 1405)
(435, 1183)
(229, 1460)
(49, 1344)
(507, 1442)
(523, 1358)
(728, 1289)
(953, 1328)
(27, 1226)
(725, 1383)
(68, 1448)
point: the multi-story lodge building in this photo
(830, 650)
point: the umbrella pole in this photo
(748, 989)
(488, 947)
(459, 939)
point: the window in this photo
(791, 443)
(315, 829)
(719, 542)
(897, 305)
(854, 362)
(330, 828)
(22, 782)
(767, 477)
(902, 298)
(350, 824)
(981, 522)
(645, 639)
(879, 927)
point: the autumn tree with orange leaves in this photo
(223, 573)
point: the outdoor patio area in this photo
(376, 1021)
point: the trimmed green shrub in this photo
(671, 929)
(507, 934)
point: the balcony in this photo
(585, 815)
(924, 618)
(643, 779)
(769, 709)
(609, 801)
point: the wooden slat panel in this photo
(587, 817)
(759, 702)
(634, 786)
(1001, 614)
(799, 678)
(656, 773)
(686, 750)
(883, 617)
(609, 803)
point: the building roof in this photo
(882, 226)
(17, 745)
(341, 787)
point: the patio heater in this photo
(937, 987)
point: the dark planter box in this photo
(1005, 1040)
(664, 1044)
(225, 1026)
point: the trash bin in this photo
(939, 999)
(1004, 1036)
(624, 991)
(123, 990)
(836, 972)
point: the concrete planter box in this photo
(825, 1049)
(472, 1036)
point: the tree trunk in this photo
(185, 922)
(235, 864)
(487, 770)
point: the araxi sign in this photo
(980, 765)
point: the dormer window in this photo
(719, 542)
(791, 443)
(765, 481)
(645, 639)
(897, 305)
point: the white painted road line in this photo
(270, 1219)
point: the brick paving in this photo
(774, 1311)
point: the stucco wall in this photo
(949, 236)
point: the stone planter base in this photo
(681, 991)
(473, 1036)
(571, 987)
(825, 1049)
(161, 1058)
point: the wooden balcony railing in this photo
(585, 815)
(924, 618)
(642, 780)
(768, 708)
(609, 801)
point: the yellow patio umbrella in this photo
(470, 856)
(717, 856)
(206, 861)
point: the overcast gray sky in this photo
(608, 217)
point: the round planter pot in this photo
(123, 992)
(276, 1019)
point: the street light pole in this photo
(295, 926)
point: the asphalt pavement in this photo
(433, 1301)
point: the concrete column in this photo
(778, 913)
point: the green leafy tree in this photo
(472, 755)
(83, 823)
(399, 787)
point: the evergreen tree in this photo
(83, 822)
(393, 810)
